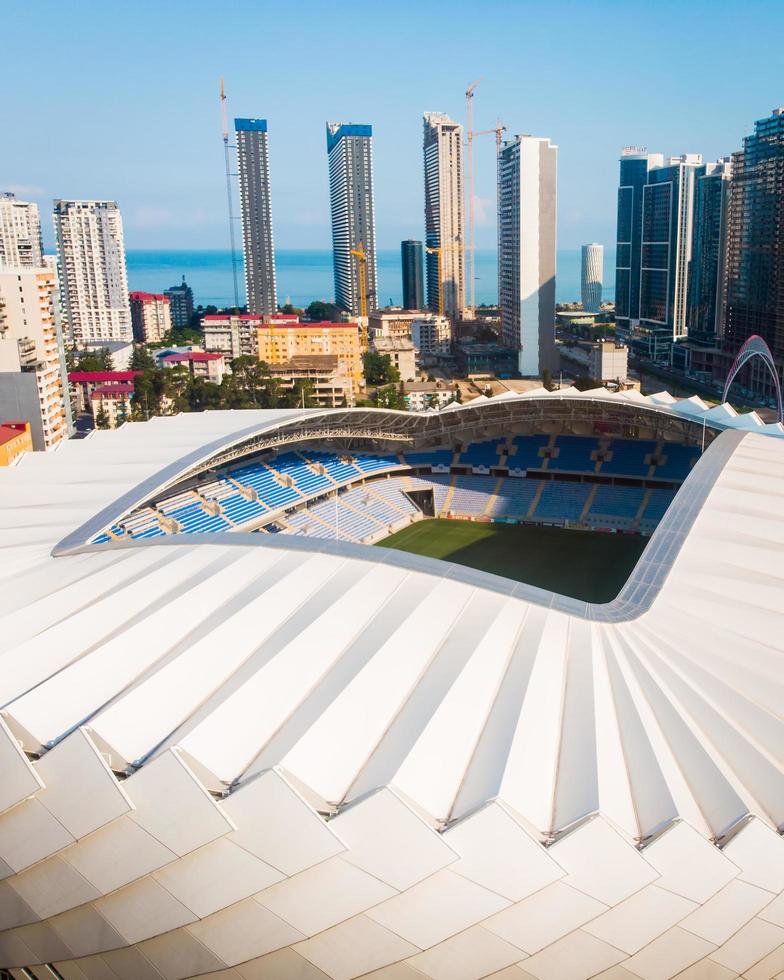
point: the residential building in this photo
(486, 360)
(608, 361)
(20, 233)
(84, 383)
(432, 335)
(755, 260)
(591, 276)
(320, 374)
(111, 404)
(635, 163)
(32, 360)
(121, 351)
(393, 322)
(15, 439)
(230, 334)
(401, 352)
(425, 396)
(201, 364)
(667, 222)
(150, 317)
(278, 343)
(180, 303)
(707, 291)
(411, 255)
(93, 279)
(350, 154)
(444, 215)
(256, 211)
(527, 173)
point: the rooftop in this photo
(195, 355)
(102, 377)
(11, 430)
(112, 391)
(149, 297)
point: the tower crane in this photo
(225, 123)
(361, 256)
(469, 95)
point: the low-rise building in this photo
(279, 341)
(202, 364)
(486, 360)
(233, 335)
(423, 396)
(112, 403)
(15, 439)
(328, 387)
(608, 361)
(150, 317)
(402, 354)
(431, 334)
(84, 383)
(121, 352)
(393, 322)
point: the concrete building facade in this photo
(211, 366)
(591, 276)
(432, 335)
(150, 317)
(93, 278)
(256, 211)
(350, 156)
(32, 371)
(15, 439)
(401, 352)
(20, 233)
(527, 174)
(181, 303)
(444, 213)
(608, 361)
(233, 335)
(321, 374)
(278, 343)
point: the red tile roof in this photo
(102, 377)
(195, 355)
(229, 316)
(149, 297)
(10, 430)
(112, 391)
(311, 324)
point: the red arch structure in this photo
(755, 346)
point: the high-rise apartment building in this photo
(20, 233)
(527, 181)
(32, 366)
(707, 294)
(93, 279)
(350, 154)
(755, 259)
(413, 277)
(180, 303)
(444, 215)
(667, 223)
(591, 276)
(635, 164)
(150, 317)
(256, 210)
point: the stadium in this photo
(254, 726)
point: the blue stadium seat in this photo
(628, 457)
(562, 501)
(679, 462)
(527, 454)
(574, 454)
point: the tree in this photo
(303, 394)
(390, 397)
(142, 359)
(319, 310)
(290, 310)
(101, 419)
(379, 369)
(178, 381)
(585, 383)
(547, 379)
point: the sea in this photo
(305, 275)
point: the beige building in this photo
(15, 439)
(202, 364)
(422, 396)
(20, 233)
(32, 359)
(330, 388)
(401, 353)
(150, 317)
(278, 343)
(608, 362)
(432, 335)
(231, 335)
(112, 403)
(392, 323)
(444, 220)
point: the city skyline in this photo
(181, 202)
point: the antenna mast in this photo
(229, 197)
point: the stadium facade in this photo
(274, 755)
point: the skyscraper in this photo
(413, 287)
(444, 217)
(707, 294)
(634, 166)
(256, 210)
(527, 168)
(591, 276)
(93, 279)
(667, 221)
(755, 259)
(181, 302)
(20, 233)
(350, 154)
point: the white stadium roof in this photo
(342, 761)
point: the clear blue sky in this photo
(119, 99)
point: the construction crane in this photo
(361, 256)
(229, 196)
(470, 185)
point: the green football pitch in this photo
(584, 564)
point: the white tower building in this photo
(20, 233)
(592, 276)
(257, 241)
(93, 279)
(444, 214)
(527, 168)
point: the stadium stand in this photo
(514, 498)
(435, 457)
(574, 454)
(616, 507)
(562, 501)
(480, 454)
(526, 452)
(679, 461)
(628, 457)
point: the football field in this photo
(584, 564)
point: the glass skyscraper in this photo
(413, 275)
(256, 208)
(755, 253)
(707, 272)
